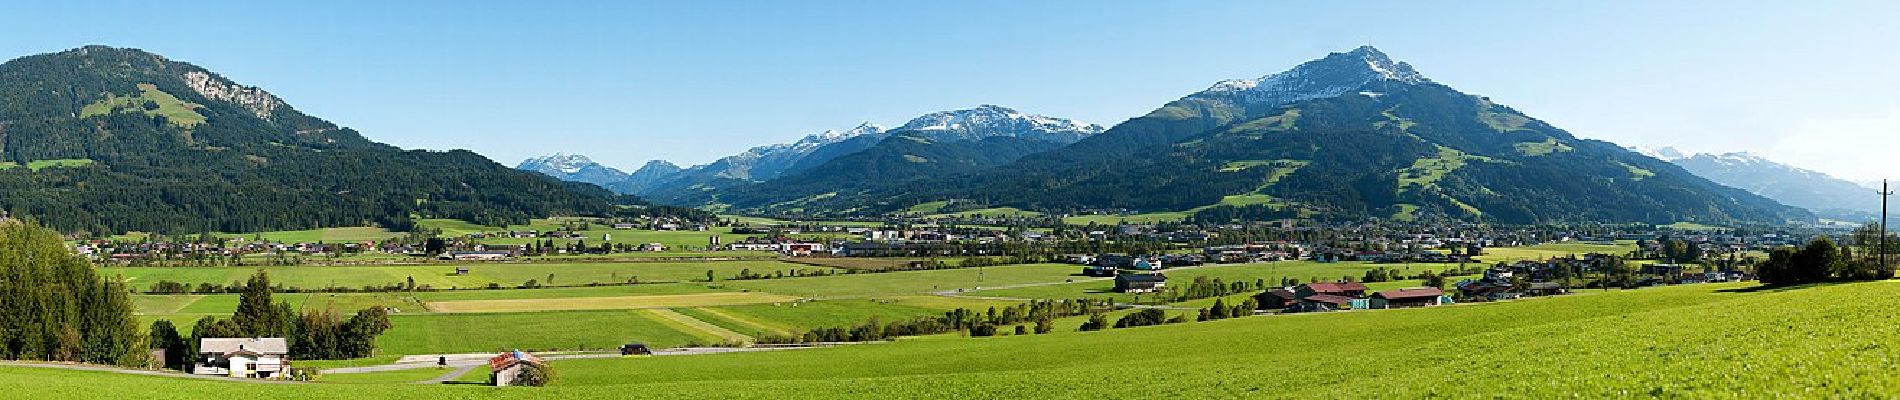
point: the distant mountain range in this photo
(1350, 135)
(662, 180)
(1825, 195)
(108, 140)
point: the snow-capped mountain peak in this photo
(990, 120)
(1660, 153)
(563, 162)
(1335, 75)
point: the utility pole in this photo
(1884, 193)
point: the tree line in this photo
(53, 307)
(312, 335)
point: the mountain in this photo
(698, 184)
(104, 139)
(933, 144)
(642, 178)
(989, 120)
(573, 167)
(1826, 195)
(1350, 135)
(761, 163)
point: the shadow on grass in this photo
(1782, 288)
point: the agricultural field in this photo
(1112, 219)
(443, 276)
(910, 282)
(37, 165)
(353, 234)
(608, 303)
(1713, 340)
(1271, 272)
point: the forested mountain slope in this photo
(1351, 135)
(108, 139)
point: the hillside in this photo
(136, 141)
(574, 168)
(1351, 135)
(904, 157)
(1708, 340)
(1795, 186)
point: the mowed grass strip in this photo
(736, 323)
(1689, 341)
(609, 303)
(531, 331)
(714, 332)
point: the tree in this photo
(256, 316)
(54, 307)
(1096, 322)
(165, 336)
(534, 374)
(1044, 325)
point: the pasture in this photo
(443, 276)
(608, 303)
(1713, 340)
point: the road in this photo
(147, 372)
(471, 360)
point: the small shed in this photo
(505, 368)
(1139, 283)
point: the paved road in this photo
(148, 372)
(451, 375)
(481, 359)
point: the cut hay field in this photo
(1696, 341)
(608, 303)
(537, 331)
(444, 277)
(909, 282)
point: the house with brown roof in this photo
(1275, 299)
(1345, 289)
(1407, 298)
(243, 357)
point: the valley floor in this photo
(1710, 340)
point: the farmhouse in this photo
(1275, 299)
(1139, 283)
(504, 368)
(243, 357)
(1323, 302)
(1344, 289)
(1407, 298)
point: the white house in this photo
(243, 357)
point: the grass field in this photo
(177, 112)
(909, 282)
(1694, 341)
(443, 276)
(545, 330)
(1147, 218)
(353, 234)
(608, 303)
(398, 376)
(36, 165)
(1271, 272)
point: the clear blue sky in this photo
(689, 81)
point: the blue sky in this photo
(1811, 84)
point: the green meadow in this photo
(1712, 340)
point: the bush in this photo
(535, 375)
